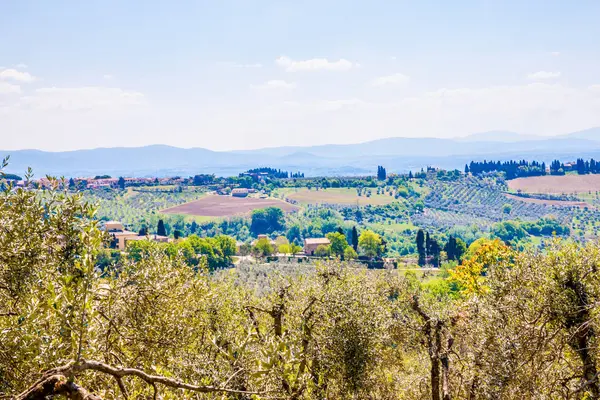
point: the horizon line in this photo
(526, 138)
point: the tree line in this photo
(274, 173)
(523, 168)
(512, 169)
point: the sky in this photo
(243, 74)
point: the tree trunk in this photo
(435, 378)
(57, 385)
(434, 342)
(582, 340)
(445, 377)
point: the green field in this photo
(342, 196)
(395, 228)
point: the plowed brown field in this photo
(225, 206)
(566, 184)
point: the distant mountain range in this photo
(396, 154)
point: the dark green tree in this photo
(354, 238)
(193, 227)
(294, 234)
(435, 253)
(381, 173)
(267, 220)
(160, 229)
(421, 248)
(121, 183)
(455, 249)
(427, 244)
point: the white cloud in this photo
(15, 75)
(21, 66)
(555, 53)
(277, 84)
(9, 88)
(543, 75)
(394, 79)
(107, 76)
(83, 98)
(595, 88)
(315, 64)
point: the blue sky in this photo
(246, 74)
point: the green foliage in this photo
(509, 231)
(106, 258)
(323, 251)
(216, 252)
(421, 248)
(338, 243)
(349, 253)
(546, 227)
(267, 220)
(370, 244)
(262, 248)
(455, 249)
(506, 324)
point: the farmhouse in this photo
(116, 230)
(310, 245)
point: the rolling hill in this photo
(397, 154)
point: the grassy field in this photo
(567, 184)
(226, 206)
(343, 196)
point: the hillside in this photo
(398, 154)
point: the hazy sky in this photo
(235, 74)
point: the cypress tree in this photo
(160, 229)
(435, 253)
(421, 247)
(354, 238)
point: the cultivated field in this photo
(343, 196)
(225, 206)
(561, 203)
(557, 184)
